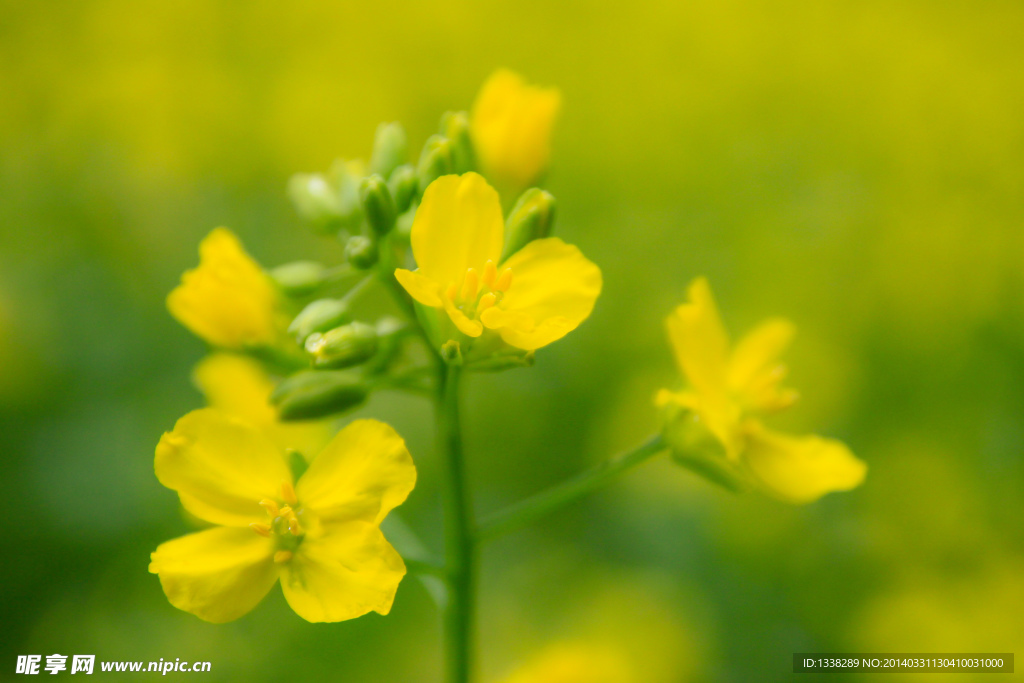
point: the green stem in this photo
(460, 553)
(544, 503)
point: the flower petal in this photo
(458, 226)
(511, 125)
(240, 387)
(471, 328)
(700, 342)
(221, 467)
(363, 473)
(755, 372)
(218, 574)
(801, 469)
(228, 300)
(343, 572)
(554, 288)
(420, 287)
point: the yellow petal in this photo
(471, 328)
(342, 572)
(218, 574)
(363, 473)
(700, 342)
(221, 467)
(228, 300)
(755, 372)
(554, 288)
(801, 469)
(458, 226)
(421, 288)
(240, 387)
(511, 126)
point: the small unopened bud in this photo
(361, 252)
(315, 200)
(402, 184)
(390, 149)
(318, 316)
(378, 205)
(455, 127)
(532, 218)
(299, 278)
(343, 346)
(311, 394)
(435, 161)
(451, 352)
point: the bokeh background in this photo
(855, 166)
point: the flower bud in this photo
(455, 127)
(435, 161)
(532, 218)
(343, 346)
(310, 394)
(299, 278)
(361, 252)
(378, 205)
(330, 203)
(390, 149)
(320, 315)
(451, 352)
(402, 184)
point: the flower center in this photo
(283, 525)
(477, 292)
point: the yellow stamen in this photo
(504, 280)
(453, 291)
(293, 525)
(471, 285)
(486, 301)
(490, 273)
(288, 493)
(261, 529)
(282, 556)
(270, 506)
(285, 511)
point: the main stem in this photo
(458, 526)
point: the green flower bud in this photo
(361, 252)
(455, 127)
(378, 205)
(315, 200)
(343, 346)
(451, 352)
(299, 278)
(402, 184)
(320, 315)
(532, 218)
(390, 149)
(436, 160)
(310, 394)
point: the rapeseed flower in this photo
(511, 124)
(240, 387)
(228, 300)
(534, 297)
(318, 533)
(728, 386)
(576, 662)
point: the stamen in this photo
(471, 285)
(293, 525)
(270, 506)
(504, 280)
(453, 291)
(282, 556)
(261, 529)
(486, 301)
(490, 273)
(288, 493)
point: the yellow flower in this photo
(320, 535)
(511, 127)
(576, 662)
(728, 385)
(536, 296)
(240, 387)
(228, 300)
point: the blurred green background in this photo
(855, 166)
